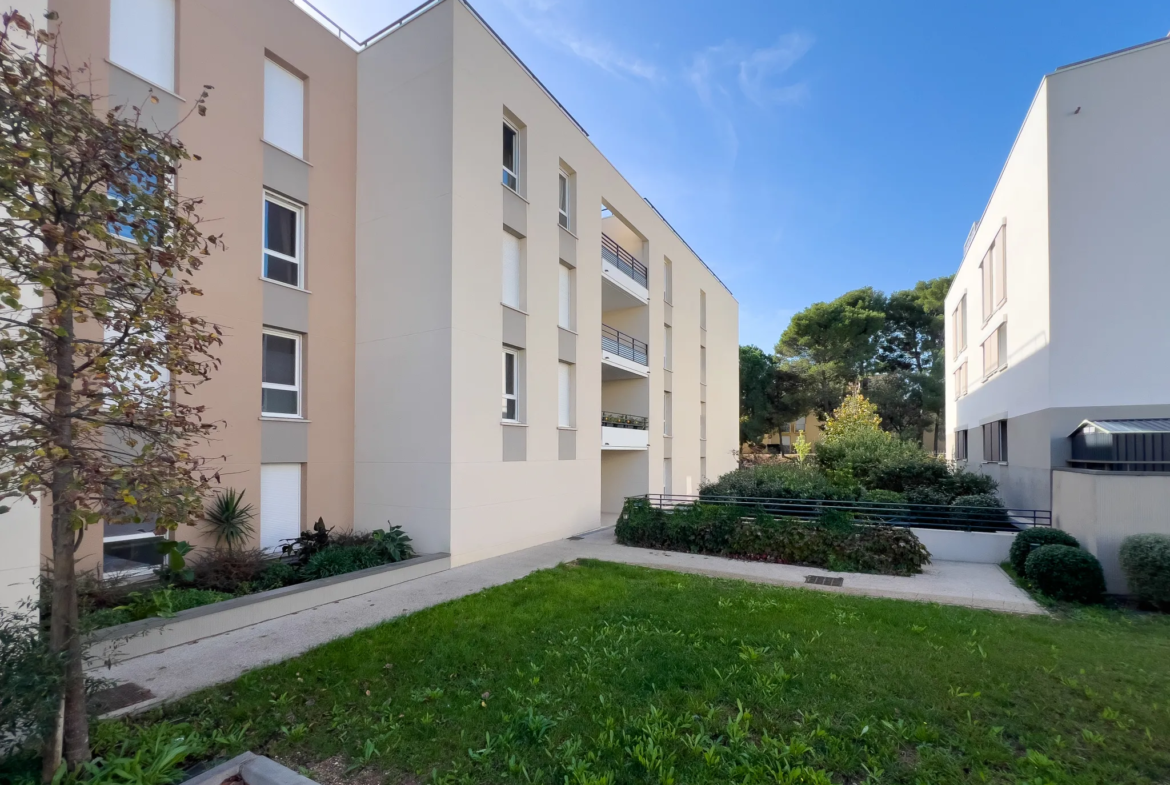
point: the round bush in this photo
(1064, 572)
(338, 560)
(1036, 536)
(1145, 558)
(275, 576)
(886, 497)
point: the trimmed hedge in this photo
(1065, 572)
(779, 481)
(1022, 544)
(987, 509)
(1145, 558)
(746, 533)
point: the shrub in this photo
(979, 508)
(882, 496)
(30, 676)
(338, 560)
(164, 602)
(747, 533)
(783, 481)
(230, 520)
(275, 576)
(1036, 536)
(226, 570)
(907, 471)
(1145, 558)
(1065, 572)
(965, 483)
(308, 543)
(892, 506)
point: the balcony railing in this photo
(623, 260)
(631, 421)
(617, 342)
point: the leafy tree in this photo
(757, 372)
(97, 355)
(855, 414)
(843, 333)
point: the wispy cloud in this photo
(718, 71)
(540, 17)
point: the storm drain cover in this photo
(118, 697)
(824, 580)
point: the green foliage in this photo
(1145, 558)
(230, 520)
(338, 560)
(756, 376)
(979, 508)
(276, 575)
(855, 415)
(174, 568)
(842, 333)
(391, 545)
(227, 571)
(30, 675)
(834, 542)
(965, 483)
(164, 602)
(1030, 539)
(1065, 572)
(308, 543)
(883, 496)
(779, 481)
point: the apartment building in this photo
(444, 308)
(1057, 313)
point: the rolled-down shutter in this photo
(280, 503)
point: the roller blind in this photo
(280, 503)
(565, 304)
(284, 109)
(142, 39)
(565, 395)
(511, 293)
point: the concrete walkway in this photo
(184, 669)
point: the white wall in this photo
(20, 534)
(1110, 198)
(978, 547)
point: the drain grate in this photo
(824, 580)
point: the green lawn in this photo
(601, 673)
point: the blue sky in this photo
(803, 148)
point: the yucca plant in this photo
(230, 520)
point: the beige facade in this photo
(396, 308)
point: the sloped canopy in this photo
(1156, 425)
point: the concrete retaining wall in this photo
(135, 639)
(1103, 508)
(978, 547)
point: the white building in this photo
(1058, 312)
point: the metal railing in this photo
(926, 516)
(631, 421)
(617, 342)
(623, 260)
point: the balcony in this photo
(624, 278)
(622, 356)
(624, 431)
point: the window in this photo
(702, 310)
(702, 365)
(280, 504)
(512, 263)
(959, 322)
(281, 382)
(284, 109)
(993, 270)
(511, 411)
(667, 414)
(961, 445)
(150, 376)
(565, 297)
(667, 280)
(961, 381)
(995, 351)
(702, 419)
(283, 226)
(565, 395)
(563, 197)
(668, 346)
(798, 426)
(511, 158)
(995, 442)
(142, 39)
(667, 480)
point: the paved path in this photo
(184, 669)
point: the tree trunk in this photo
(70, 736)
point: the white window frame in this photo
(564, 199)
(297, 388)
(965, 440)
(514, 395)
(299, 258)
(510, 173)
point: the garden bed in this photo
(153, 634)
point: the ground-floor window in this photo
(961, 445)
(280, 504)
(995, 442)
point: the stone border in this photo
(255, 769)
(126, 641)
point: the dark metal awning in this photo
(1156, 425)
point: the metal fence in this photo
(927, 516)
(623, 260)
(617, 342)
(632, 421)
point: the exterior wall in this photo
(513, 486)
(235, 168)
(977, 547)
(1102, 508)
(1019, 205)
